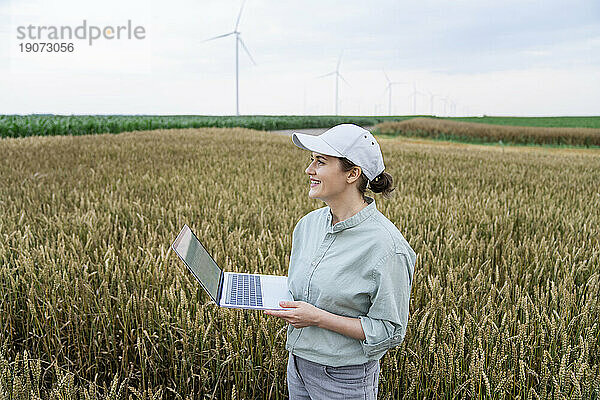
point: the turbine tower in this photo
(389, 89)
(238, 41)
(337, 76)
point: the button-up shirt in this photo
(361, 267)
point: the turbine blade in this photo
(323, 76)
(217, 37)
(239, 15)
(386, 77)
(340, 75)
(247, 51)
(339, 61)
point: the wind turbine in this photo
(414, 94)
(451, 106)
(431, 96)
(445, 100)
(238, 41)
(389, 90)
(337, 76)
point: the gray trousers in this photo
(310, 380)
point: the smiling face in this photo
(327, 180)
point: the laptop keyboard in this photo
(244, 290)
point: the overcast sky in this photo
(486, 57)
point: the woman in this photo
(350, 272)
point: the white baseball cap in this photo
(349, 141)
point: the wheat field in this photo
(505, 301)
(479, 132)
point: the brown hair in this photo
(383, 183)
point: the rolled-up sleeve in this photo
(385, 323)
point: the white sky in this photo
(503, 57)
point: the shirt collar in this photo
(353, 220)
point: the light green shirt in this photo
(361, 267)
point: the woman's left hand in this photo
(300, 313)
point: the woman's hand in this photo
(300, 313)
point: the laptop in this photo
(230, 289)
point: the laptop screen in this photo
(195, 256)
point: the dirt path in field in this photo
(311, 131)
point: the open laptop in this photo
(229, 289)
